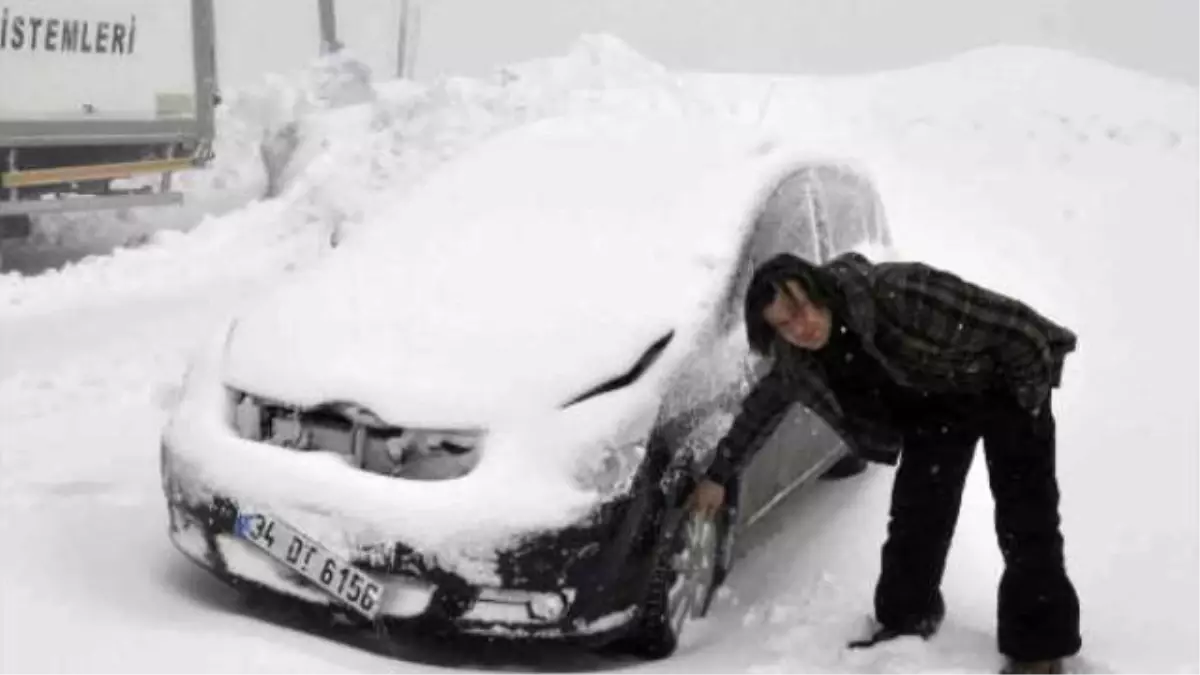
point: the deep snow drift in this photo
(1062, 180)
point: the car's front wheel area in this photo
(681, 586)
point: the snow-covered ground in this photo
(1064, 181)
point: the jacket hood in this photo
(822, 283)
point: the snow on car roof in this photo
(517, 275)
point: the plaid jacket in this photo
(930, 330)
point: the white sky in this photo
(1159, 36)
(820, 36)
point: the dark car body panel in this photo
(605, 577)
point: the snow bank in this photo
(301, 159)
(1046, 103)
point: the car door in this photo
(789, 224)
(781, 226)
(798, 218)
(816, 212)
(819, 212)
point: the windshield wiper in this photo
(643, 364)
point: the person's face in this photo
(797, 319)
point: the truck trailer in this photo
(101, 102)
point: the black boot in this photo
(1049, 666)
(925, 628)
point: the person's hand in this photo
(707, 498)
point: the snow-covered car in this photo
(484, 410)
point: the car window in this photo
(847, 210)
(785, 223)
(816, 212)
(709, 387)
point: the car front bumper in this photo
(581, 584)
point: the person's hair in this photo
(768, 283)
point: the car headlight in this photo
(611, 470)
(547, 606)
(245, 414)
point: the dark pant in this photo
(1038, 607)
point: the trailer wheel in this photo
(15, 227)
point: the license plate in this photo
(318, 564)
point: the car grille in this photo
(361, 437)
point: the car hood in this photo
(517, 277)
(432, 364)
